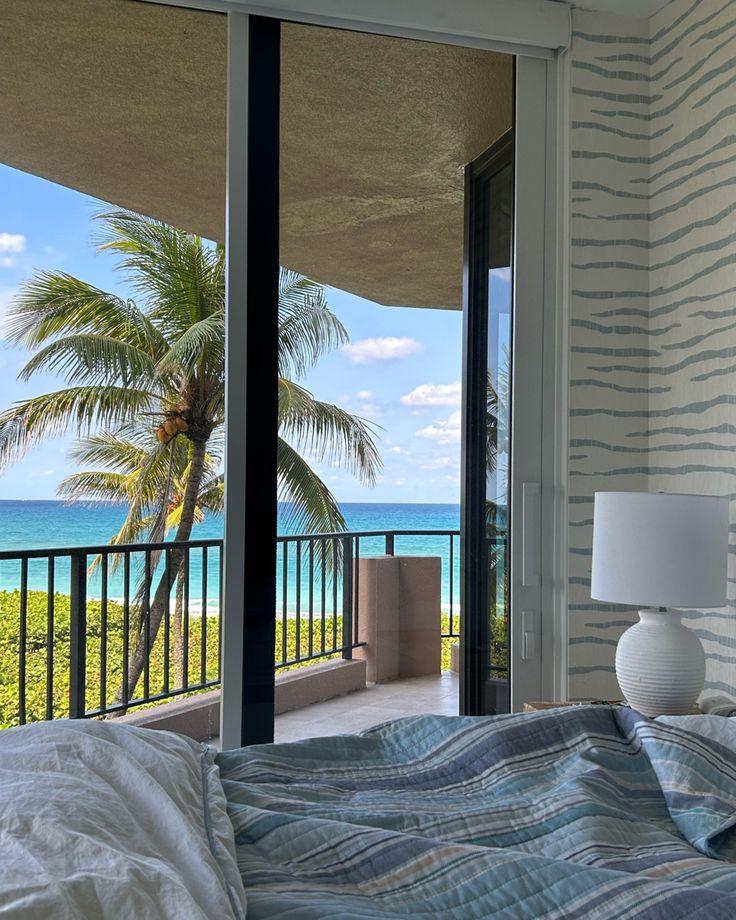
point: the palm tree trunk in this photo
(171, 572)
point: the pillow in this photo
(100, 819)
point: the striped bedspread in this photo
(588, 812)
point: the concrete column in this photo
(399, 616)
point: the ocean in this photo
(52, 524)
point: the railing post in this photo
(78, 636)
(390, 543)
(347, 598)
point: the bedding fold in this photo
(576, 812)
(101, 820)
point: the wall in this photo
(609, 328)
(692, 277)
(653, 313)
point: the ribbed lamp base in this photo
(660, 665)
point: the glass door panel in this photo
(499, 190)
(485, 643)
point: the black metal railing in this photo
(319, 586)
(95, 630)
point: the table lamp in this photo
(658, 550)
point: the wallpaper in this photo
(653, 309)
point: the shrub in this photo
(101, 692)
(97, 690)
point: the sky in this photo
(400, 372)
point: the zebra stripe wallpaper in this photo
(653, 279)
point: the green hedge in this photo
(36, 653)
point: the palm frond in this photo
(492, 426)
(212, 495)
(308, 328)
(95, 485)
(308, 505)
(174, 516)
(180, 274)
(203, 343)
(327, 431)
(54, 303)
(123, 450)
(31, 421)
(96, 359)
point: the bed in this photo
(590, 811)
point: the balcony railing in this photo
(96, 630)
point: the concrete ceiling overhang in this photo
(125, 101)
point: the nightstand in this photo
(536, 705)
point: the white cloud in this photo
(444, 431)
(363, 404)
(12, 242)
(10, 245)
(434, 394)
(383, 348)
(439, 463)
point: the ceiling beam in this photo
(536, 28)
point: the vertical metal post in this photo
(50, 635)
(390, 543)
(78, 636)
(347, 597)
(23, 640)
(252, 240)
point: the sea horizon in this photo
(24, 526)
(38, 524)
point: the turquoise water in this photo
(52, 524)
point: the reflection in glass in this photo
(500, 191)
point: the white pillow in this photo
(99, 820)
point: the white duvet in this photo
(102, 820)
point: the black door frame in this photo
(475, 637)
(260, 402)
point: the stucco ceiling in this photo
(126, 101)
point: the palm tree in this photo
(153, 494)
(160, 359)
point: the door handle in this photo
(531, 525)
(528, 635)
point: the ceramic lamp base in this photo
(660, 664)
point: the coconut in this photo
(161, 435)
(170, 426)
(181, 423)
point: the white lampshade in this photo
(656, 549)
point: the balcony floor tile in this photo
(364, 708)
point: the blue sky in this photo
(401, 371)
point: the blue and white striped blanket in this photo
(586, 812)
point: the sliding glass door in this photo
(506, 634)
(500, 606)
(486, 437)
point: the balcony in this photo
(133, 631)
